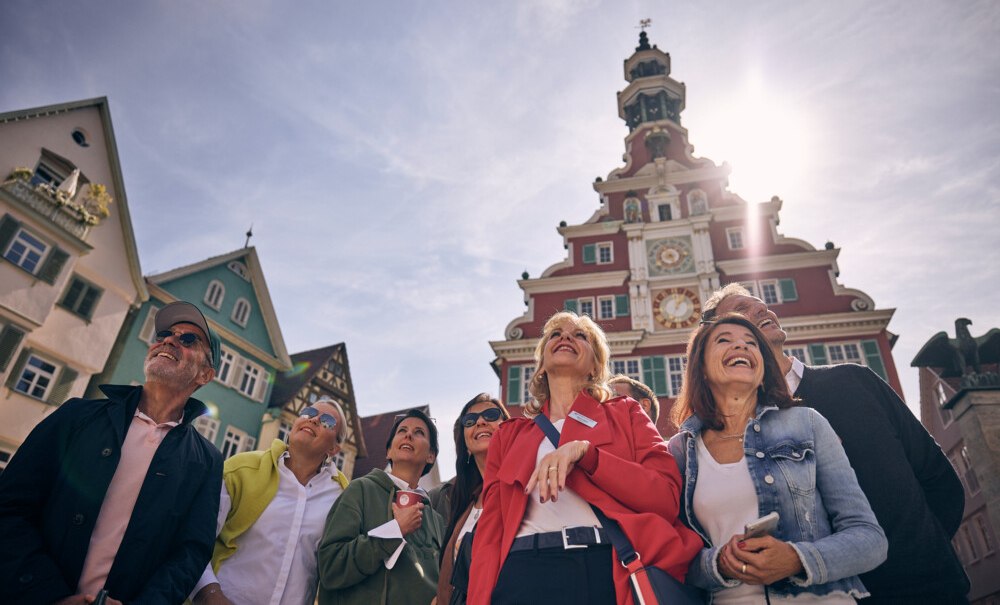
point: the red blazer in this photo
(627, 472)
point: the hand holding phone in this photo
(761, 527)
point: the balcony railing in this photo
(47, 203)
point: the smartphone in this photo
(761, 527)
(102, 597)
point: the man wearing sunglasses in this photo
(118, 494)
(272, 513)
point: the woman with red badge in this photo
(541, 538)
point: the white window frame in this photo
(227, 361)
(751, 287)
(241, 312)
(339, 459)
(30, 253)
(605, 301)
(250, 379)
(235, 441)
(147, 333)
(207, 426)
(526, 373)
(842, 355)
(735, 238)
(215, 294)
(38, 375)
(602, 248)
(585, 301)
(239, 269)
(675, 366)
(799, 352)
(284, 429)
(770, 293)
(629, 366)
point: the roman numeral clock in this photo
(676, 308)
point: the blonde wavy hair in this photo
(597, 382)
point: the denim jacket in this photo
(799, 469)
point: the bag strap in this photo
(621, 543)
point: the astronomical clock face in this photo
(670, 256)
(676, 308)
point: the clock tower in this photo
(668, 233)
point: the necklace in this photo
(733, 436)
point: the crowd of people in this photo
(783, 483)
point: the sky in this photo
(403, 162)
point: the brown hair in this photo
(597, 385)
(639, 391)
(696, 398)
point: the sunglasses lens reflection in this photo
(490, 415)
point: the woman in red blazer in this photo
(609, 455)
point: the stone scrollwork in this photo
(515, 333)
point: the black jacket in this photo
(912, 487)
(53, 488)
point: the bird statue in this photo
(960, 356)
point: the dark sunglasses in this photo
(185, 338)
(325, 420)
(489, 415)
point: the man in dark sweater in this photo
(913, 489)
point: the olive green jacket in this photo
(352, 564)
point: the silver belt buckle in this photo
(565, 538)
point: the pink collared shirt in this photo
(141, 441)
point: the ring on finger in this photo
(553, 469)
(744, 568)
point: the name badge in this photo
(583, 419)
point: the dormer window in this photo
(215, 294)
(239, 269)
(241, 312)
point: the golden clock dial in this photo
(676, 308)
(670, 256)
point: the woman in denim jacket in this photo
(758, 453)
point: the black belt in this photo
(580, 536)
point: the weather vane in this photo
(249, 235)
(644, 23)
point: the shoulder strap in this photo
(621, 543)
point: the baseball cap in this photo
(185, 312)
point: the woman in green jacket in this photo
(373, 550)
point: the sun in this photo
(768, 141)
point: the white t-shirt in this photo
(570, 510)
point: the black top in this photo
(912, 487)
(53, 489)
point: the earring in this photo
(468, 458)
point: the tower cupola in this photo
(651, 95)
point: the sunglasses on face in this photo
(188, 339)
(325, 420)
(489, 415)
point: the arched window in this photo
(215, 293)
(241, 312)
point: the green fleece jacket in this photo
(352, 564)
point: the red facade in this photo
(668, 234)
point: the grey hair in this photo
(713, 302)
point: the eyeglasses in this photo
(325, 420)
(489, 415)
(185, 338)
